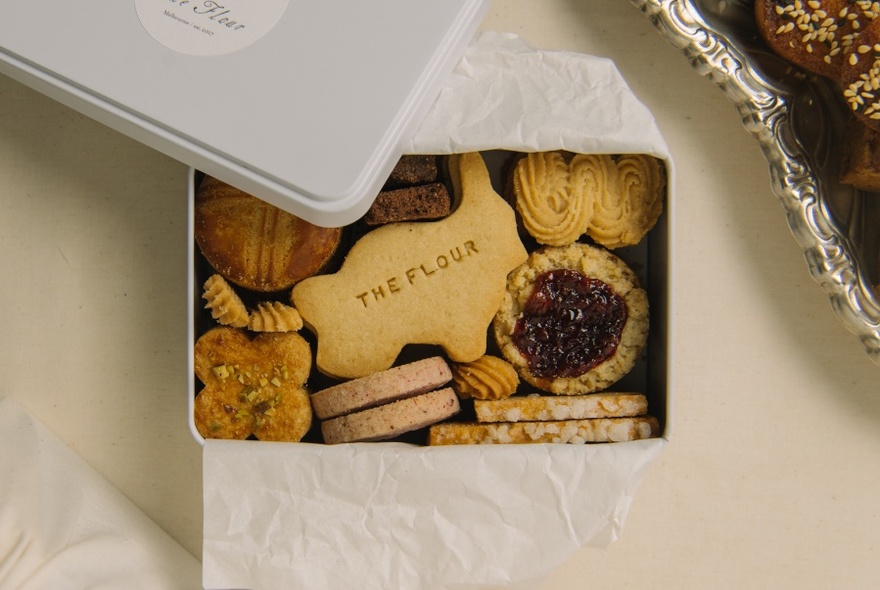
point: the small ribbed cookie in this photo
(274, 316)
(487, 378)
(225, 304)
(394, 419)
(379, 388)
(566, 431)
(536, 407)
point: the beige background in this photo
(772, 475)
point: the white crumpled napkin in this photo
(380, 516)
(64, 526)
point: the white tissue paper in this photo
(62, 525)
(392, 515)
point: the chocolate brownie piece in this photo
(411, 170)
(412, 203)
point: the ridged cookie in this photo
(255, 245)
(532, 408)
(274, 316)
(598, 430)
(224, 303)
(393, 419)
(488, 377)
(382, 387)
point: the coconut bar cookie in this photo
(566, 431)
(535, 407)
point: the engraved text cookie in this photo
(427, 283)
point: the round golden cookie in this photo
(256, 245)
(574, 319)
(252, 386)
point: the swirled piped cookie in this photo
(224, 303)
(554, 198)
(488, 377)
(632, 201)
(616, 200)
(574, 319)
(274, 316)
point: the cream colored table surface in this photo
(772, 475)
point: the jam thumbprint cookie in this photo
(574, 319)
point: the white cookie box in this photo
(303, 102)
(406, 516)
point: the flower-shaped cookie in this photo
(252, 387)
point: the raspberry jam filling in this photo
(570, 324)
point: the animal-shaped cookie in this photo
(427, 283)
(252, 387)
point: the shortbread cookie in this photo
(574, 319)
(535, 407)
(252, 387)
(488, 377)
(380, 388)
(555, 198)
(632, 201)
(255, 245)
(224, 303)
(393, 419)
(598, 430)
(274, 316)
(417, 283)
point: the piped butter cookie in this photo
(252, 386)
(224, 303)
(434, 283)
(616, 200)
(574, 319)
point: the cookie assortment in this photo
(475, 316)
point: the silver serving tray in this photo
(798, 121)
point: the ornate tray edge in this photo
(829, 253)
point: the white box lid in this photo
(304, 103)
